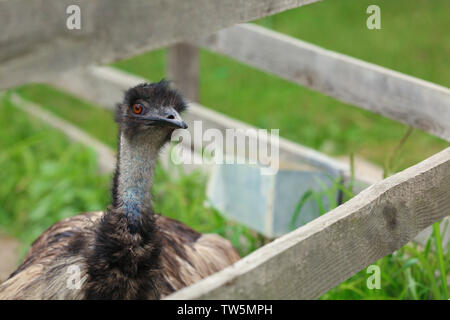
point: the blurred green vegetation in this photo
(46, 178)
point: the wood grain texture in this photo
(315, 258)
(183, 69)
(410, 100)
(36, 44)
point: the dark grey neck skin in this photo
(138, 154)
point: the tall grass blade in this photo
(440, 254)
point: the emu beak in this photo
(168, 117)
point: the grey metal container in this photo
(267, 203)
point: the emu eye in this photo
(137, 108)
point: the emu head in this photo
(151, 111)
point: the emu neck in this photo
(134, 176)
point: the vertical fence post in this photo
(183, 69)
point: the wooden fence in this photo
(314, 258)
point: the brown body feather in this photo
(186, 256)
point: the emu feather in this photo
(126, 251)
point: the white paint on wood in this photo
(413, 101)
(309, 261)
(36, 44)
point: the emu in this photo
(127, 251)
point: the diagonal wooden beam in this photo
(106, 157)
(35, 42)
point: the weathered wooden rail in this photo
(318, 256)
(413, 101)
(314, 258)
